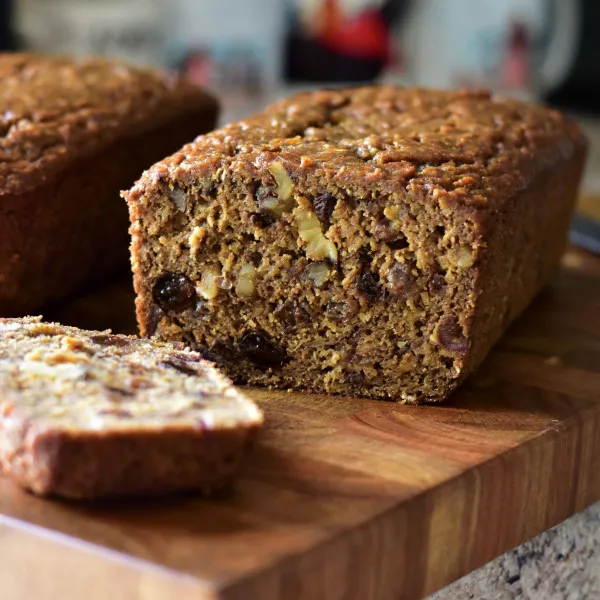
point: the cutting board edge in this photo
(268, 584)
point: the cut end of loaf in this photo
(324, 290)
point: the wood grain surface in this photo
(347, 499)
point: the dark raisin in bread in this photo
(371, 241)
(87, 414)
(73, 134)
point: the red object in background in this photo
(196, 67)
(363, 36)
(515, 67)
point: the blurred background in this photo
(251, 52)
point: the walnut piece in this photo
(244, 287)
(318, 273)
(465, 258)
(196, 238)
(178, 197)
(391, 212)
(285, 186)
(71, 343)
(318, 247)
(284, 202)
(207, 287)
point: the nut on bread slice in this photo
(87, 414)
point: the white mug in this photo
(452, 43)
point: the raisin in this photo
(173, 291)
(262, 219)
(385, 230)
(206, 354)
(324, 206)
(220, 353)
(341, 311)
(223, 349)
(109, 340)
(437, 283)
(399, 243)
(116, 412)
(256, 258)
(265, 191)
(120, 391)
(292, 313)
(449, 336)
(401, 282)
(368, 285)
(355, 379)
(364, 256)
(179, 365)
(261, 350)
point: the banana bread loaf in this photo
(85, 414)
(73, 134)
(371, 241)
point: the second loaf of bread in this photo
(73, 134)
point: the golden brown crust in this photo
(455, 148)
(92, 465)
(56, 111)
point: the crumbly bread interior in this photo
(303, 292)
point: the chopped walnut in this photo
(318, 246)
(58, 358)
(391, 212)
(196, 238)
(285, 185)
(35, 354)
(244, 287)
(465, 258)
(284, 201)
(207, 287)
(179, 198)
(318, 273)
(276, 206)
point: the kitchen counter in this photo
(561, 563)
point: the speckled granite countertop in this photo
(562, 563)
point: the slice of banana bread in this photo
(73, 134)
(87, 414)
(372, 241)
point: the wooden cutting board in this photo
(346, 498)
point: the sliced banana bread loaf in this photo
(86, 414)
(372, 241)
(73, 134)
